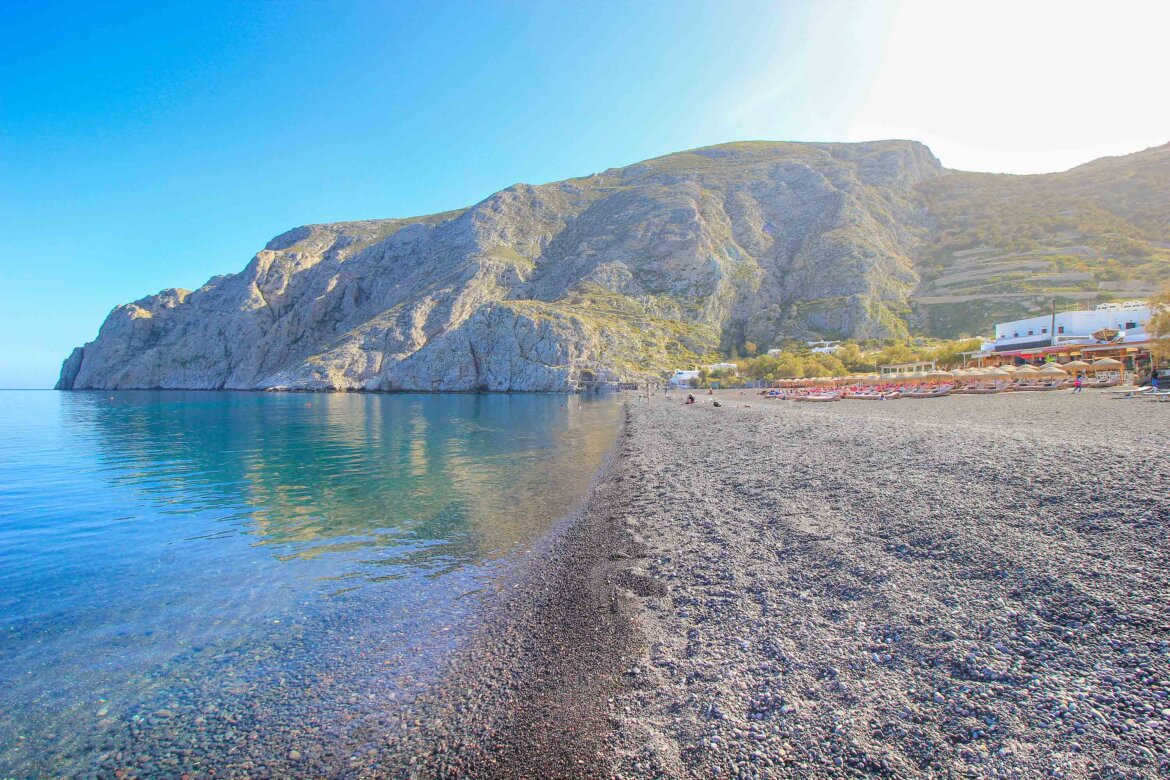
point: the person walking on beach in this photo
(1079, 384)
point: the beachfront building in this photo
(1108, 322)
(725, 367)
(1111, 330)
(894, 370)
(683, 378)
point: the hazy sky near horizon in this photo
(151, 145)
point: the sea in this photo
(193, 579)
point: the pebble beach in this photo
(972, 586)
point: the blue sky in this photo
(151, 145)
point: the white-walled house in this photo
(824, 347)
(1073, 327)
(682, 378)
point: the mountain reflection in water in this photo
(156, 548)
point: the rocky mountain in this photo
(638, 269)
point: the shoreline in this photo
(790, 590)
(532, 690)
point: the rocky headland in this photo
(625, 273)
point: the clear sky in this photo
(153, 145)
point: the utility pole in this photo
(1052, 327)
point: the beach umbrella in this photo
(1107, 365)
(938, 374)
(1075, 365)
(996, 374)
(960, 375)
(1027, 372)
(1052, 370)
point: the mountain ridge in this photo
(631, 271)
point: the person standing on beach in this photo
(1078, 385)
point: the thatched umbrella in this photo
(1027, 372)
(1108, 365)
(1052, 371)
(1074, 366)
(995, 376)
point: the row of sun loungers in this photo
(938, 391)
(888, 393)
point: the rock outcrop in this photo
(553, 287)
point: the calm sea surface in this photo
(187, 579)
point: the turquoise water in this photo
(196, 581)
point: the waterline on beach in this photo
(188, 572)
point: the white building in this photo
(1073, 327)
(682, 378)
(824, 347)
(724, 367)
(896, 369)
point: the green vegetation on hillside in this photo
(999, 246)
(852, 358)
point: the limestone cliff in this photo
(559, 286)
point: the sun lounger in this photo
(927, 394)
(1130, 392)
(819, 398)
(1042, 386)
(1157, 395)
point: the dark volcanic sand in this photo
(959, 587)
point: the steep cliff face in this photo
(552, 287)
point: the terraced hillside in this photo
(1003, 246)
